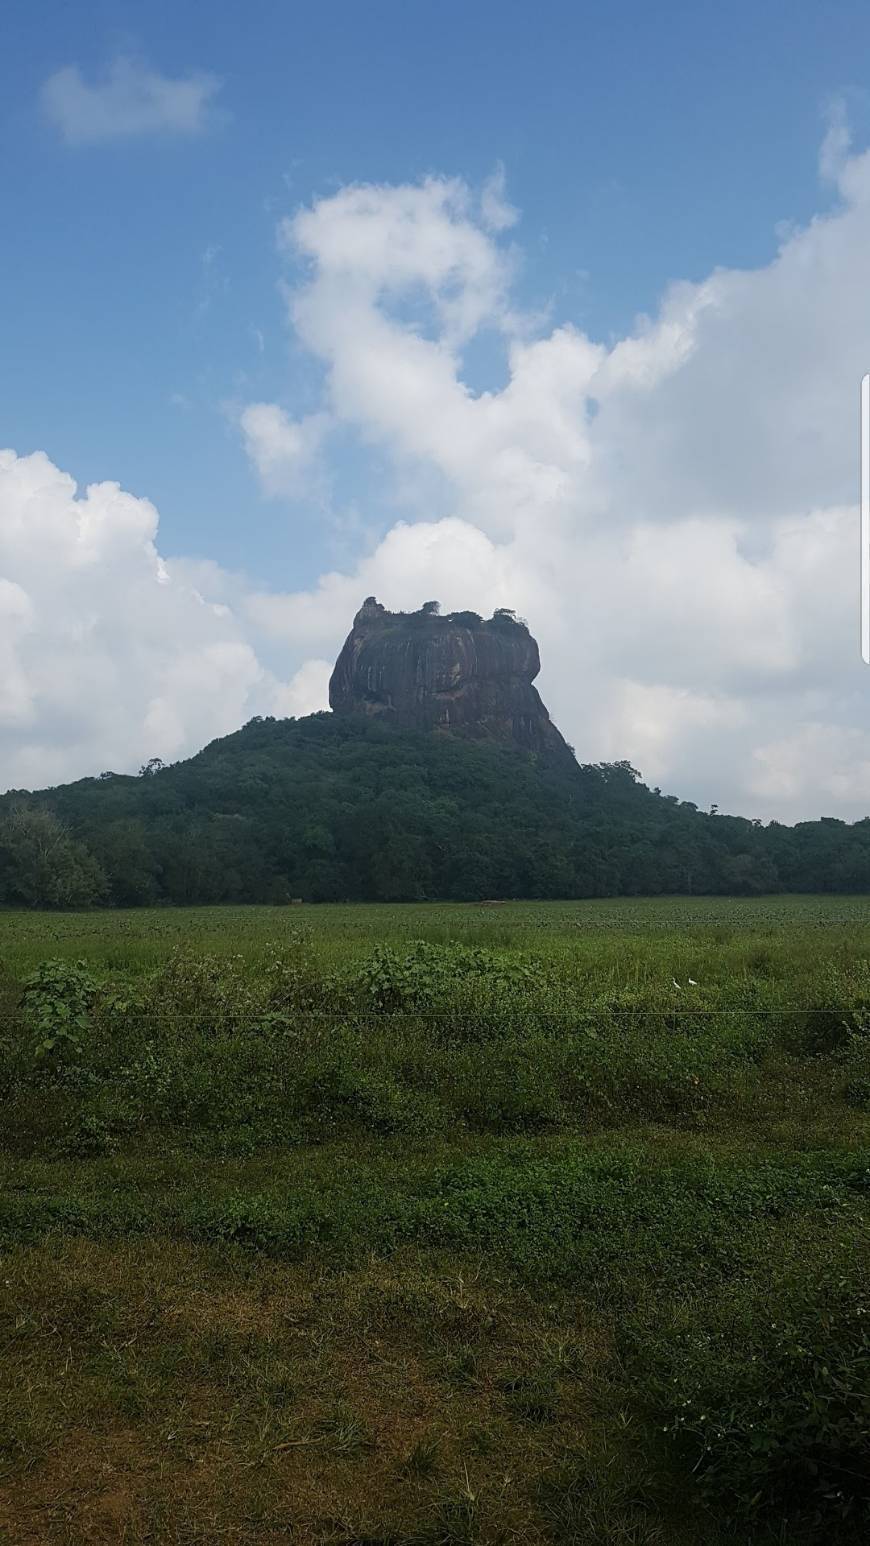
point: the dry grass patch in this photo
(157, 1391)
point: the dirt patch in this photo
(89, 1488)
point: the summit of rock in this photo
(459, 673)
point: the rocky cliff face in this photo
(457, 673)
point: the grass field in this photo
(437, 1225)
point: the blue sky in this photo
(641, 143)
(144, 303)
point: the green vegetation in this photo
(437, 1224)
(340, 808)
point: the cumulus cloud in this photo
(130, 100)
(306, 692)
(674, 511)
(109, 654)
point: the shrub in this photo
(57, 1002)
(424, 974)
(90, 1137)
(770, 1402)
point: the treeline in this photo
(333, 809)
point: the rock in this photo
(458, 673)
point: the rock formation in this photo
(458, 673)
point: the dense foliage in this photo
(332, 809)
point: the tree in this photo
(331, 807)
(41, 865)
(123, 851)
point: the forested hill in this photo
(330, 808)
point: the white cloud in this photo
(673, 511)
(109, 654)
(495, 211)
(132, 99)
(307, 692)
(835, 147)
(283, 450)
(391, 244)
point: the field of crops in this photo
(437, 1225)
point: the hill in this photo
(347, 806)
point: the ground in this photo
(313, 1232)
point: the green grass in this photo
(138, 939)
(313, 1231)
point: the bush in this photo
(90, 1137)
(426, 975)
(57, 1002)
(769, 1402)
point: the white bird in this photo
(677, 984)
(692, 983)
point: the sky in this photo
(563, 308)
